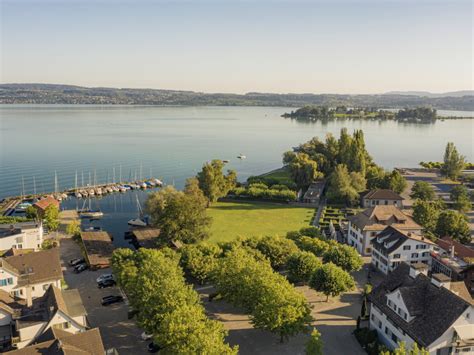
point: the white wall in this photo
(28, 238)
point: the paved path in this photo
(321, 206)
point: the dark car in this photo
(153, 348)
(80, 268)
(76, 261)
(106, 283)
(107, 300)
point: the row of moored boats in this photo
(107, 189)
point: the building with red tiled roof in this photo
(44, 203)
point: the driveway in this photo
(117, 331)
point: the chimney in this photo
(418, 268)
(441, 280)
(29, 298)
(451, 251)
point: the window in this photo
(421, 246)
(3, 282)
(406, 247)
(19, 246)
(396, 256)
(414, 255)
(45, 287)
(394, 338)
(10, 280)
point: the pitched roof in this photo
(460, 250)
(33, 268)
(98, 247)
(67, 301)
(382, 194)
(88, 342)
(377, 218)
(45, 202)
(391, 238)
(435, 308)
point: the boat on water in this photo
(21, 207)
(143, 185)
(89, 212)
(140, 220)
(158, 182)
(225, 161)
(241, 156)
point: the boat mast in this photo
(22, 186)
(55, 181)
(120, 175)
(75, 182)
(34, 185)
(113, 173)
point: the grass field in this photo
(233, 219)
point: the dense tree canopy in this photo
(301, 265)
(422, 190)
(303, 170)
(453, 162)
(344, 256)
(426, 214)
(461, 198)
(454, 224)
(344, 187)
(180, 216)
(51, 217)
(200, 260)
(331, 280)
(213, 182)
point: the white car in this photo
(146, 336)
(105, 277)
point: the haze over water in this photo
(173, 142)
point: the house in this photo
(314, 192)
(27, 276)
(66, 343)
(56, 310)
(42, 204)
(364, 226)
(455, 260)
(98, 248)
(408, 306)
(381, 197)
(393, 246)
(23, 235)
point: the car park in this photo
(108, 300)
(76, 261)
(105, 277)
(106, 283)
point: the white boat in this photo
(78, 195)
(138, 222)
(158, 182)
(241, 156)
(143, 185)
(92, 214)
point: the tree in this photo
(191, 188)
(314, 346)
(314, 245)
(74, 228)
(422, 190)
(375, 176)
(301, 266)
(200, 260)
(345, 257)
(344, 187)
(213, 182)
(395, 181)
(31, 212)
(51, 217)
(277, 249)
(454, 224)
(453, 162)
(303, 170)
(461, 198)
(331, 280)
(426, 214)
(402, 350)
(179, 216)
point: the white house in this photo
(382, 197)
(23, 235)
(393, 246)
(364, 226)
(27, 276)
(435, 313)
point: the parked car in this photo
(146, 336)
(106, 283)
(153, 348)
(108, 300)
(105, 277)
(76, 261)
(80, 268)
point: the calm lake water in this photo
(171, 143)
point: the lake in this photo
(171, 143)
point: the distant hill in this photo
(71, 94)
(433, 95)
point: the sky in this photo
(338, 46)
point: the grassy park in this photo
(233, 219)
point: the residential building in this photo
(314, 192)
(27, 276)
(24, 235)
(436, 314)
(56, 310)
(455, 260)
(62, 342)
(364, 226)
(44, 203)
(393, 246)
(381, 197)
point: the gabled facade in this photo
(393, 246)
(24, 235)
(28, 276)
(364, 226)
(381, 197)
(408, 306)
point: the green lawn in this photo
(233, 219)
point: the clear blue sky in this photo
(336, 46)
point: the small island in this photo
(325, 113)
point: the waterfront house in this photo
(42, 204)
(364, 226)
(27, 276)
(433, 312)
(314, 192)
(65, 343)
(56, 310)
(381, 197)
(393, 246)
(23, 235)
(455, 260)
